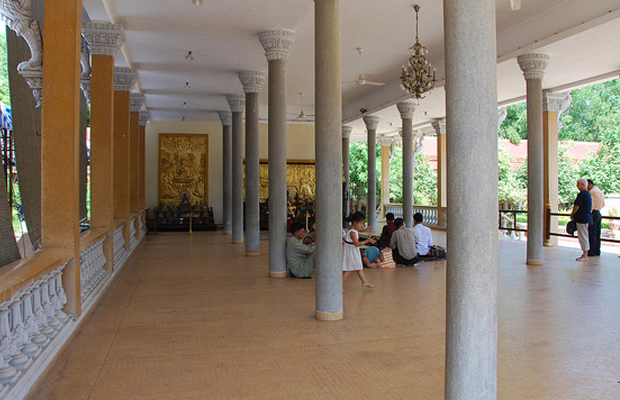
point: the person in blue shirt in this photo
(581, 215)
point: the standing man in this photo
(594, 229)
(581, 214)
(403, 243)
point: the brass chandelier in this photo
(418, 76)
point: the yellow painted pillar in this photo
(554, 104)
(60, 141)
(134, 153)
(442, 193)
(144, 119)
(124, 79)
(104, 40)
(386, 146)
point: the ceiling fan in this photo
(361, 77)
(302, 116)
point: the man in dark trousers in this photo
(598, 202)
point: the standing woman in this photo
(581, 215)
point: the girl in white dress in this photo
(351, 257)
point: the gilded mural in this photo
(300, 179)
(183, 174)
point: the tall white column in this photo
(346, 206)
(471, 304)
(226, 118)
(277, 44)
(371, 209)
(237, 105)
(252, 82)
(533, 66)
(328, 149)
(406, 110)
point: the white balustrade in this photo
(430, 214)
(120, 253)
(92, 263)
(27, 322)
(133, 240)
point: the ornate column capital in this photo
(406, 109)
(502, 113)
(103, 37)
(439, 126)
(124, 78)
(386, 141)
(225, 117)
(277, 43)
(371, 122)
(346, 131)
(136, 100)
(34, 78)
(85, 85)
(533, 65)
(252, 81)
(556, 102)
(145, 116)
(236, 102)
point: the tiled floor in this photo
(190, 317)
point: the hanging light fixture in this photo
(418, 76)
(189, 56)
(197, 3)
(187, 86)
(515, 5)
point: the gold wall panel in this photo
(300, 179)
(183, 161)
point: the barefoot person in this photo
(581, 215)
(351, 257)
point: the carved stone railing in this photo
(29, 321)
(120, 253)
(92, 263)
(133, 240)
(431, 214)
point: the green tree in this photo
(603, 167)
(514, 127)
(424, 181)
(511, 191)
(593, 115)
(568, 173)
(4, 74)
(358, 170)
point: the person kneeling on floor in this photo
(403, 244)
(299, 256)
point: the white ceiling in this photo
(581, 36)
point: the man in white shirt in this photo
(423, 234)
(598, 202)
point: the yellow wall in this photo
(299, 146)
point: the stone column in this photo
(144, 120)
(277, 44)
(386, 150)
(226, 118)
(346, 206)
(554, 104)
(328, 149)
(104, 40)
(406, 110)
(237, 105)
(533, 66)
(440, 131)
(60, 191)
(252, 82)
(136, 102)
(471, 284)
(371, 209)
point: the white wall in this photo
(299, 146)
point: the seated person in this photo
(389, 227)
(371, 257)
(385, 255)
(424, 235)
(299, 256)
(403, 244)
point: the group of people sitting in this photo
(397, 246)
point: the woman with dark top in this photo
(581, 215)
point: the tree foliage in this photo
(4, 74)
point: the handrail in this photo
(550, 214)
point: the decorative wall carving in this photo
(183, 161)
(300, 179)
